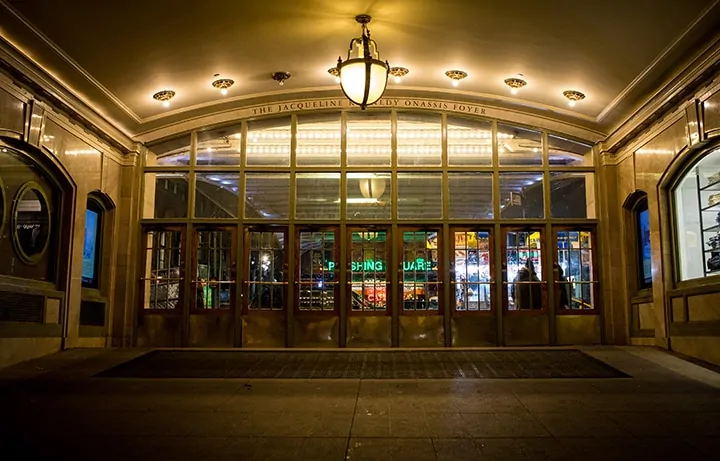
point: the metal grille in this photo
(21, 307)
(92, 313)
(516, 364)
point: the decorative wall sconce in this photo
(164, 97)
(456, 76)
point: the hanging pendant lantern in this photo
(363, 76)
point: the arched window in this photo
(29, 229)
(696, 206)
(641, 216)
(98, 205)
(637, 223)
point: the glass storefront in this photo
(372, 215)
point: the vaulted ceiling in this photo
(115, 55)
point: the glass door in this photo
(574, 271)
(472, 271)
(317, 270)
(523, 286)
(420, 279)
(367, 271)
(266, 270)
(163, 277)
(214, 270)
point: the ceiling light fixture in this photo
(335, 73)
(515, 84)
(456, 76)
(281, 77)
(573, 97)
(363, 76)
(399, 73)
(223, 84)
(164, 97)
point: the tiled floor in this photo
(53, 408)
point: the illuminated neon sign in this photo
(369, 265)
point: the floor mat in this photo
(513, 364)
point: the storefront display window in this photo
(697, 219)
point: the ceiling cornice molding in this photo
(26, 74)
(308, 105)
(658, 59)
(69, 60)
(685, 84)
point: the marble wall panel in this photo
(711, 115)
(651, 161)
(704, 308)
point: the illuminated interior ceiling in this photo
(116, 55)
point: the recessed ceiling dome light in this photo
(280, 77)
(573, 97)
(164, 96)
(515, 83)
(399, 73)
(335, 73)
(456, 76)
(223, 84)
